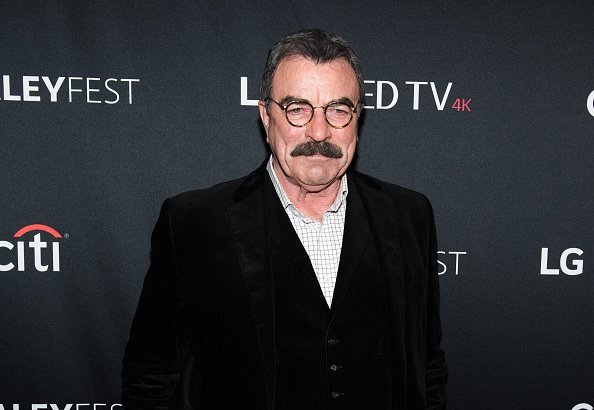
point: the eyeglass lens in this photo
(337, 114)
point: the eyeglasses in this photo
(338, 114)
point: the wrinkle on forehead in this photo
(319, 83)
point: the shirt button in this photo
(337, 394)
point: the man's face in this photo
(297, 78)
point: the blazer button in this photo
(335, 367)
(333, 341)
(337, 394)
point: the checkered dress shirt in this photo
(322, 240)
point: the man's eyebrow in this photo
(345, 100)
(290, 98)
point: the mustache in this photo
(324, 148)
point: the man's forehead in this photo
(296, 69)
(298, 62)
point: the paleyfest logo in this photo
(69, 406)
(89, 90)
(29, 251)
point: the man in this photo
(304, 285)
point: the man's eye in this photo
(339, 110)
(298, 109)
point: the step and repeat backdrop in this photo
(107, 108)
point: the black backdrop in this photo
(107, 108)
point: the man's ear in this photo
(264, 116)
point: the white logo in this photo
(37, 245)
(578, 264)
(380, 104)
(582, 406)
(590, 103)
(448, 260)
(387, 95)
(69, 406)
(87, 90)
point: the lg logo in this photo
(37, 246)
(582, 406)
(572, 267)
(381, 89)
(386, 94)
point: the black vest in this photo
(338, 358)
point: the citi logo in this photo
(35, 246)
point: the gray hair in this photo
(315, 45)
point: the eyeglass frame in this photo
(324, 107)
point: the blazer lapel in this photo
(283, 234)
(249, 229)
(355, 239)
(286, 240)
(383, 223)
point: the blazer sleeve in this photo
(436, 370)
(156, 355)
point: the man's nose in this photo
(318, 129)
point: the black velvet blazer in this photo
(203, 336)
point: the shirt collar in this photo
(286, 202)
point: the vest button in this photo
(333, 341)
(337, 394)
(335, 367)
